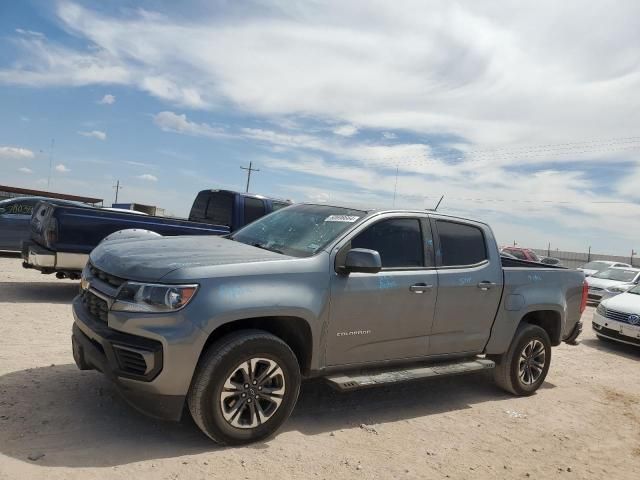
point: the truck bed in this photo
(79, 229)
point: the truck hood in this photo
(151, 259)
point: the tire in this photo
(508, 375)
(228, 398)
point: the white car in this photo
(600, 265)
(618, 318)
(611, 282)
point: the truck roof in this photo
(245, 194)
(372, 211)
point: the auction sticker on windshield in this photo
(341, 218)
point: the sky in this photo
(523, 115)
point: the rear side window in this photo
(253, 209)
(397, 240)
(220, 209)
(278, 205)
(460, 244)
(199, 206)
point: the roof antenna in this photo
(438, 204)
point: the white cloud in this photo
(30, 33)
(172, 122)
(94, 134)
(62, 168)
(148, 177)
(108, 99)
(346, 130)
(491, 77)
(25, 170)
(15, 153)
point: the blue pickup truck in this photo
(62, 236)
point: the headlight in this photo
(620, 289)
(602, 310)
(147, 297)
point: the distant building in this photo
(12, 192)
(139, 207)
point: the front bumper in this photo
(37, 257)
(135, 364)
(614, 330)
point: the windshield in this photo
(618, 274)
(299, 230)
(596, 266)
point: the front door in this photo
(387, 315)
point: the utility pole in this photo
(249, 169)
(549, 250)
(117, 188)
(633, 252)
(395, 189)
(50, 163)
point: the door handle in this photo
(486, 285)
(420, 288)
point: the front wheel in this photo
(244, 388)
(523, 368)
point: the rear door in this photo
(469, 286)
(385, 315)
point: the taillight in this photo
(585, 296)
(51, 234)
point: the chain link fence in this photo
(577, 259)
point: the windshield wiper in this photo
(264, 247)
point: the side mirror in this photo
(362, 260)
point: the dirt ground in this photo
(59, 423)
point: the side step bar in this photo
(353, 381)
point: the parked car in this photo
(551, 261)
(600, 265)
(15, 218)
(63, 236)
(230, 326)
(611, 282)
(521, 253)
(618, 318)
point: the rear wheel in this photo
(244, 388)
(524, 367)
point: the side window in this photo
(278, 205)
(253, 209)
(517, 253)
(398, 240)
(20, 208)
(460, 244)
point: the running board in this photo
(356, 380)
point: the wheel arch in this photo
(294, 331)
(549, 320)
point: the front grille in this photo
(105, 277)
(130, 361)
(618, 316)
(96, 306)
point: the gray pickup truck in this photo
(229, 327)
